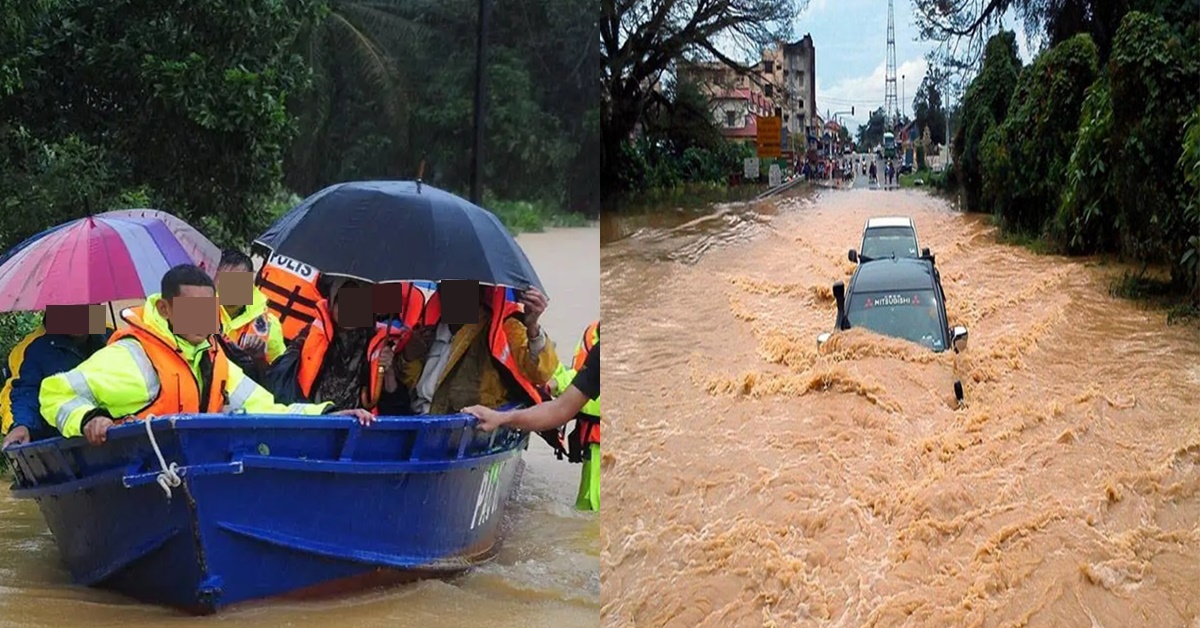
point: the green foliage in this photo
(196, 115)
(1025, 157)
(921, 165)
(394, 89)
(524, 216)
(870, 134)
(48, 183)
(1082, 223)
(1138, 208)
(1189, 162)
(984, 107)
(14, 326)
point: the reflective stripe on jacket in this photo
(145, 369)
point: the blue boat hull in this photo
(271, 505)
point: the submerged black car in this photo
(899, 297)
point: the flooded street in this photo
(546, 574)
(749, 482)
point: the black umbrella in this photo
(390, 231)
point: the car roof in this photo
(889, 221)
(902, 273)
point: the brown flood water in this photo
(749, 482)
(546, 574)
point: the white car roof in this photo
(889, 221)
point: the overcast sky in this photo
(851, 41)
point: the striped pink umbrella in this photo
(198, 247)
(94, 260)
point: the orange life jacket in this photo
(587, 429)
(179, 392)
(259, 327)
(316, 345)
(502, 309)
(291, 290)
(589, 334)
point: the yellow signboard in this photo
(770, 136)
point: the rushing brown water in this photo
(749, 482)
(546, 574)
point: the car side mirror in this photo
(852, 256)
(925, 252)
(822, 339)
(959, 339)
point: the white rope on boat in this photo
(168, 478)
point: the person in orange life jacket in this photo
(552, 414)
(333, 361)
(161, 364)
(251, 327)
(501, 358)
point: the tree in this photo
(202, 122)
(352, 49)
(642, 39)
(984, 107)
(870, 134)
(928, 110)
(1025, 168)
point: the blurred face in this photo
(235, 284)
(193, 314)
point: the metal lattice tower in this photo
(890, 103)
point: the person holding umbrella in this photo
(60, 344)
(165, 362)
(492, 352)
(553, 414)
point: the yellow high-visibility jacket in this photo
(564, 375)
(121, 379)
(258, 320)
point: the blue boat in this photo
(200, 512)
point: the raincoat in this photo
(258, 320)
(38, 356)
(121, 380)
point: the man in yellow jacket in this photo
(584, 441)
(162, 363)
(252, 327)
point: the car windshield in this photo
(883, 242)
(911, 315)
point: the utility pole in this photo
(485, 7)
(903, 106)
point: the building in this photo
(736, 112)
(782, 83)
(793, 68)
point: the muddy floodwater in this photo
(546, 573)
(750, 482)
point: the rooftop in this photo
(889, 221)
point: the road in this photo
(750, 481)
